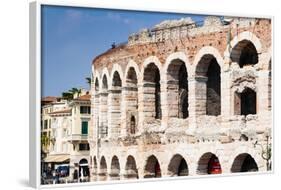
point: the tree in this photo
(67, 95)
(89, 80)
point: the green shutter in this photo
(84, 127)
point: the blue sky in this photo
(72, 37)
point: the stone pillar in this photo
(114, 112)
(148, 101)
(103, 114)
(226, 94)
(172, 89)
(164, 104)
(129, 107)
(200, 95)
(264, 98)
(197, 98)
(141, 107)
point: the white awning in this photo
(57, 158)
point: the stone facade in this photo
(180, 97)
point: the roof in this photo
(49, 99)
(86, 97)
(61, 111)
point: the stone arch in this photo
(97, 86)
(207, 50)
(103, 169)
(131, 171)
(178, 166)
(84, 171)
(114, 103)
(97, 81)
(134, 67)
(115, 168)
(152, 168)
(130, 94)
(177, 56)
(104, 82)
(103, 107)
(176, 77)
(152, 91)
(117, 72)
(208, 80)
(209, 164)
(244, 162)
(147, 61)
(245, 36)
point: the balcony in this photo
(76, 138)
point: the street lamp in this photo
(266, 152)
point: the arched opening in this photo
(151, 88)
(115, 169)
(104, 109)
(133, 125)
(177, 87)
(84, 172)
(103, 169)
(244, 53)
(115, 105)
(244, 163)
(97, 85)
(131, 171)
(116, 81)
(209, 84)
(152, 168)
(209, 164)
(245, 102)
(178, 166)
(131, 97)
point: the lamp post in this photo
(266, 152)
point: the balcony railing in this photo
(77, 137)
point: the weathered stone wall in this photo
(214, 126)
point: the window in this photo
(133, 125)
(85, 110)
(84, 146)
(84, 130)
(50, 123)
(45, 124)
(245, 102)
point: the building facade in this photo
(66, 148)
(183, 99)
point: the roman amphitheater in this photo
(183, 98)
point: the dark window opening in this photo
(248, 102)
(183, 169)
(133, 125)
(85, 110)
(249, 165)
(84, 146)
(116, 79)
(157, 170)
(97, 85)
(213, 89)
(183, 92)
(158, 113)
(152, 82)
(214, 166)
(244, 53)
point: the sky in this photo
(72, 37)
